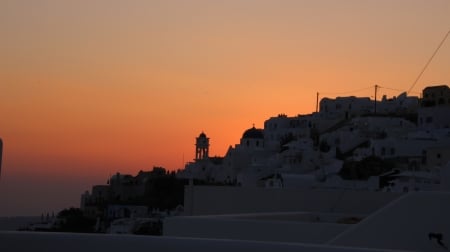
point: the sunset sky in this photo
(91, 88)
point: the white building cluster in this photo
(321, 149)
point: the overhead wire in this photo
(347, 92)
(429, 61)
(393, 89)
(412, 86)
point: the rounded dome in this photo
(202, 135)
(253, 133)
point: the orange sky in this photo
(89, 88)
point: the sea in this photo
(17, 222)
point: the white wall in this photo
(227, 227)
(403, 224)
(203, 200)
(37, 241)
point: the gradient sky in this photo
(89, 88)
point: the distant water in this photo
(15, 223)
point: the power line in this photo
(398, 90)
(429, 61)
(363, 89)
(347, 92)
(393, 89)
(355, 91)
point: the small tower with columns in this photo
(202, 147)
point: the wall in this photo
(226, 227)
(204, 200)
(403, 224)
(68, 242)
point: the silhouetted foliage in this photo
(285, 140)
(73, 220)
(149, 228)
(314, 135)
(165, 192)
(324, 146)
(428, 103)
(344, 155)
(362, 170)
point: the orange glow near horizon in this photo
(90, 89)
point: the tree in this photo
(73, 220)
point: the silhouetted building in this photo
(346, 107)
(436, 96)
(435, 108)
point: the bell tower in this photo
(202, 147)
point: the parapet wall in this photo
(212, 200)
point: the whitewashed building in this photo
(434, 112)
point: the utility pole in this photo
(317, 102)
(1, 154)
(376, 90)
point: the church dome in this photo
(253, 133)
(202, 135)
